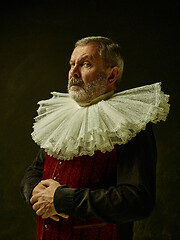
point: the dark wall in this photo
(36, 41)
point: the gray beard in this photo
(88, 92)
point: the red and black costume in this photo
(116, 188)
(105, 160)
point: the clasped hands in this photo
(43, 200)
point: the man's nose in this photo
(75, 72)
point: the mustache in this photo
(76, 81)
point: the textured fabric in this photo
(65, 129)
(97, 171)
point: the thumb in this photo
(63, 215)
(55, 218)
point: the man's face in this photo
(87, 76)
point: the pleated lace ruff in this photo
(66, 130)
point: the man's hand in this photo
(43, 199)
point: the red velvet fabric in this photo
(97, 171)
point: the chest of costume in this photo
(97, 171)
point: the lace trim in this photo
(66, 130)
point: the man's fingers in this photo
(41, 211)
(36, 206)
(34, 198)
(43, 202)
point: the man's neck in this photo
(104, 96)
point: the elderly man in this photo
(95, 172)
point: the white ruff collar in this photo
(66, 130)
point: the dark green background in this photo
(36, 40)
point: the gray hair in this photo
(110, 51)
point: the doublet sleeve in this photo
(134, 196)
(32, 176)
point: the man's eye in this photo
(86, 64)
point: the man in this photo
(95, 173)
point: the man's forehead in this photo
(81, 57)
(89, 51)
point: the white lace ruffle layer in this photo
(66, 130)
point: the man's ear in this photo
(112, 75)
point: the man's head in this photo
(95, 65)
